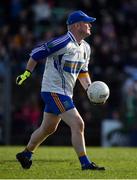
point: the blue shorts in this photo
(56, 103)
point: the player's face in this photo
(85, 28)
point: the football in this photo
(98, 92)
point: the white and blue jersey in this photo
(65, 59)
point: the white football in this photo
(98, 92)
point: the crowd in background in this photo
(113, 60)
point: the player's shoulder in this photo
(58, 40)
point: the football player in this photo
(67, 58)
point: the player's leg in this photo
(48, 126)
(75, 122)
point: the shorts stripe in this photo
(58, 102)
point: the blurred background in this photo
(25, 23)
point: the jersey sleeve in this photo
(46, 49)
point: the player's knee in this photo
(50, 130)
(78, 125)
(81, 126)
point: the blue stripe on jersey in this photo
(49, 48)
(72, 66)
(57, 65)
(61, 72)
(71, 36)
(57, 41)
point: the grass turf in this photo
(62, 163)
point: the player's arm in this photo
(39, 53)
(36, 55)
(31, 64)
(84, 79)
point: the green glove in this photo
(23, 77)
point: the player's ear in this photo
(76, 25)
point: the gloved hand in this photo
(23, 77)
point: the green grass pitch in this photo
(62, 163)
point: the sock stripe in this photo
(82, 154)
